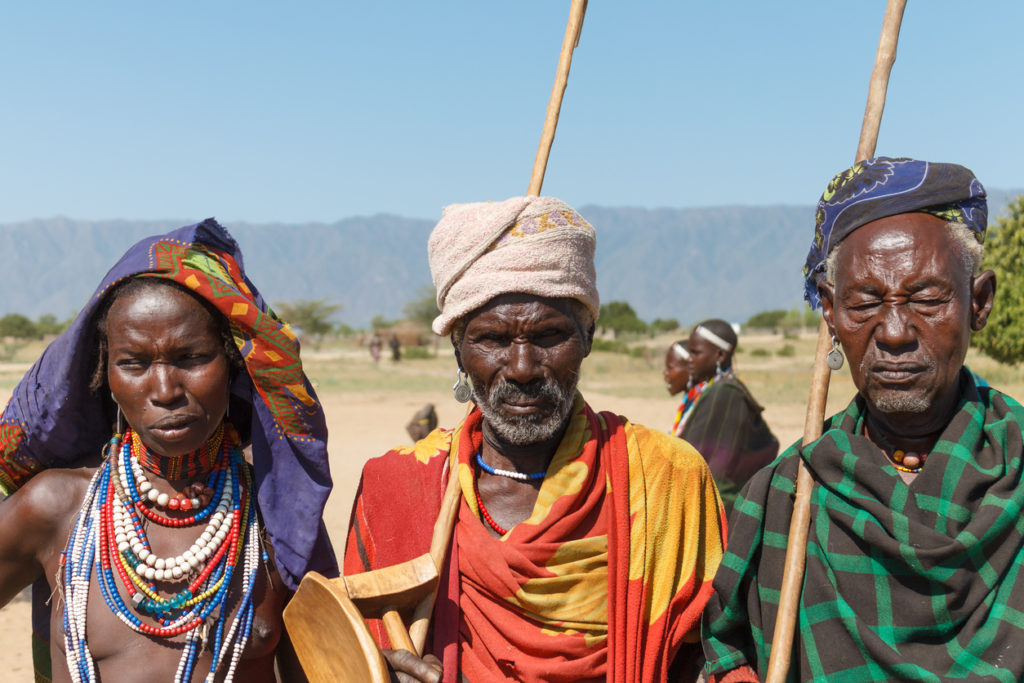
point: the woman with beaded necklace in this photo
(719, 416)
(171, 555)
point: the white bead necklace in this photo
(172, 568)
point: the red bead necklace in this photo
(483, 511)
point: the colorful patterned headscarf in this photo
(54, 420)
(881, 187)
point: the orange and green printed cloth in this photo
(605, 581)
(53, 419)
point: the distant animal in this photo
(422, 423)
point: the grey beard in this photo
(525, 430)
(900, 402)
(897, 401)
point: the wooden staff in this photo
(796, 546)
(323, 608)
(571, 40)
(452, 498)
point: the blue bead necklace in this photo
(521, 476)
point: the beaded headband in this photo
(680, 351)
(713, 338)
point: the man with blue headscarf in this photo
(916, 542)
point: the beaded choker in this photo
(520, 476)
(183, 467)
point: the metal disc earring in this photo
(462, 389)
(834, 358)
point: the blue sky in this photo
(273, 111)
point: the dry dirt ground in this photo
(367, 407)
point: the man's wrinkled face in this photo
(903, 308)
(523, 354)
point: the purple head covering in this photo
(881, 187)
(53, 419)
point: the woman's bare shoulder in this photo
(50, 497)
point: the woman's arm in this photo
(34, 524)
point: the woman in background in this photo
(720, 418)
(677, 379)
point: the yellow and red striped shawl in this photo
(604, 581)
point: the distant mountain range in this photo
(688, 264)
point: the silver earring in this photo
(462, 389)
(834, 359)
(718, 367)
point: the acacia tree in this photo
(18, 326)
(423, 309)
(311, 316)
(1003, 337)
(619, 317)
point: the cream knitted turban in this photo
(528, 245)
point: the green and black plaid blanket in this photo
(919, 582)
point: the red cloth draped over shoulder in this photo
(632, 507)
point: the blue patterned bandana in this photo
(881, 187)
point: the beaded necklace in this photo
(483, 511)
(904, 461)
(109, 538)
(181, 467)
(519, 476)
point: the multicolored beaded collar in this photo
(182, 467)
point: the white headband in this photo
(681, 351)
(713, 338)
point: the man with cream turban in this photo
(584, 545)
(915, 549)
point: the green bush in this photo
(417, 352)
(18, 326)
(611, 345)
(766, 319)
(1003, 337)
(787, 351)
(760, 353)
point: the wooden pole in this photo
(445, 522)
(443, 526)
(796, 546)
(571, 40)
